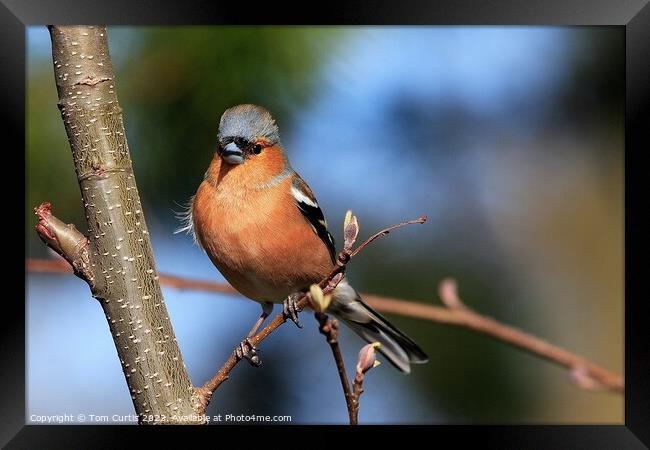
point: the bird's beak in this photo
(232, 154)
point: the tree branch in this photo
(65, 240)
(116, 259)
(583, 372)
(466, 318)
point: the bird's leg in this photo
(251, 355)
(289, 308)
(267, 308)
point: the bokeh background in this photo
(509, 138)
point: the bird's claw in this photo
(290, 308)
(250, 355)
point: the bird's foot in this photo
(290, 308)
(250, 354)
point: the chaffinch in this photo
(261, 226)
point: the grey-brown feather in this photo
(249, 122)
(398, 348)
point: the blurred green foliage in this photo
(175, 90)
(173, 86)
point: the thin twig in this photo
(465, 317)
(385, 231)
(367, 360)
(60, 266)
(205, 392)
(330, 329)
(357, 390)
(583, 372)
(458, 317)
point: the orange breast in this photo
(257, 238)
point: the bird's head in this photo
(245, 133)
(249, 152)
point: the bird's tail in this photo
(400, 350)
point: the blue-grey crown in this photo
(249, 122)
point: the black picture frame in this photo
(633, 15)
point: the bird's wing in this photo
(308, 206)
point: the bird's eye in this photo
(257, 149)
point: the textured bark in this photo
(125, 279)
